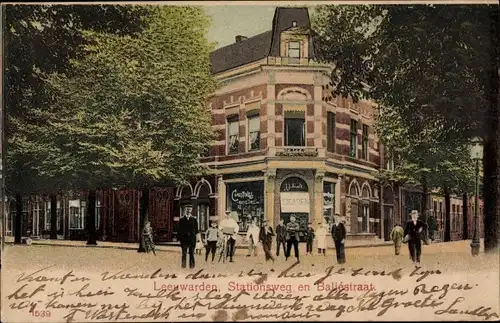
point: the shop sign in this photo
(295, 202)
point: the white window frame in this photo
(98, 208)
(229, 134)
(286, 131)
(36, 215)
(46, 216)
(294, 50)
(79, 218)
(351, 133)
(251, 130)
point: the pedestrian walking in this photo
(396, 236)
(148, 238)
(212, 236)
(321, 237)
(292, 237)
(266, 238)
(309, 239)
(253, 238)
(280, 238)
(339, 234)
(413, 234)
(188, 234)
(230, 227)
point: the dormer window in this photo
(294, 49)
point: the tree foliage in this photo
(39, 40)
(435, 67)
(425, 66)
(131, 110)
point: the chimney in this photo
(240, 38)
(294, 24)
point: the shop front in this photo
(295, 201)
(245, 200)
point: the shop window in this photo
(295, 131)
(330, 131)
(328, 202)
(294, 49)
(364, 147)
(77, 214)
(353, 139)
(246, 201)
(233, 130)
(254, 132)
(202, 217)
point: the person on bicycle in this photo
(228, 224)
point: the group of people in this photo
(413, 234)
(287, 236)
(225, 234)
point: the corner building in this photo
(284, 145)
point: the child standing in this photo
(212, 237)
(309, 238)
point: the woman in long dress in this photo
(321, 237)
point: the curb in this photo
(38, 243)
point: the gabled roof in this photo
(262, 45)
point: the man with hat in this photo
(413, 231)
(266, 235)
(230, 227)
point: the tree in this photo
(131, 112)
(39, 40)
(431, 64)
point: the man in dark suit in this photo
(339, 234)
(188, 232)
(414, 229)
(266, 237)
(280, 238)
(292, 237)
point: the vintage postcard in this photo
(250, 161)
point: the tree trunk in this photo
(465, 216)
(425, 195)
(447, 224)
(491, 157)
(91, 236)
(18, 227)
(53, 216)
(144, 218)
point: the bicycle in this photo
(224, 251)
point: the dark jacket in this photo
(188, 229)
(292, 230)
(280, 233)
(266, 238)
(412, 229)
(339, 232)
(310, 234)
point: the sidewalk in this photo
(168, 247)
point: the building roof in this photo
(261, 45)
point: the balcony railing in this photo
(296, 152)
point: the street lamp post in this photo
(476, 151)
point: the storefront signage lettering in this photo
(292, 202)
(242, 195)
(293, 186)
